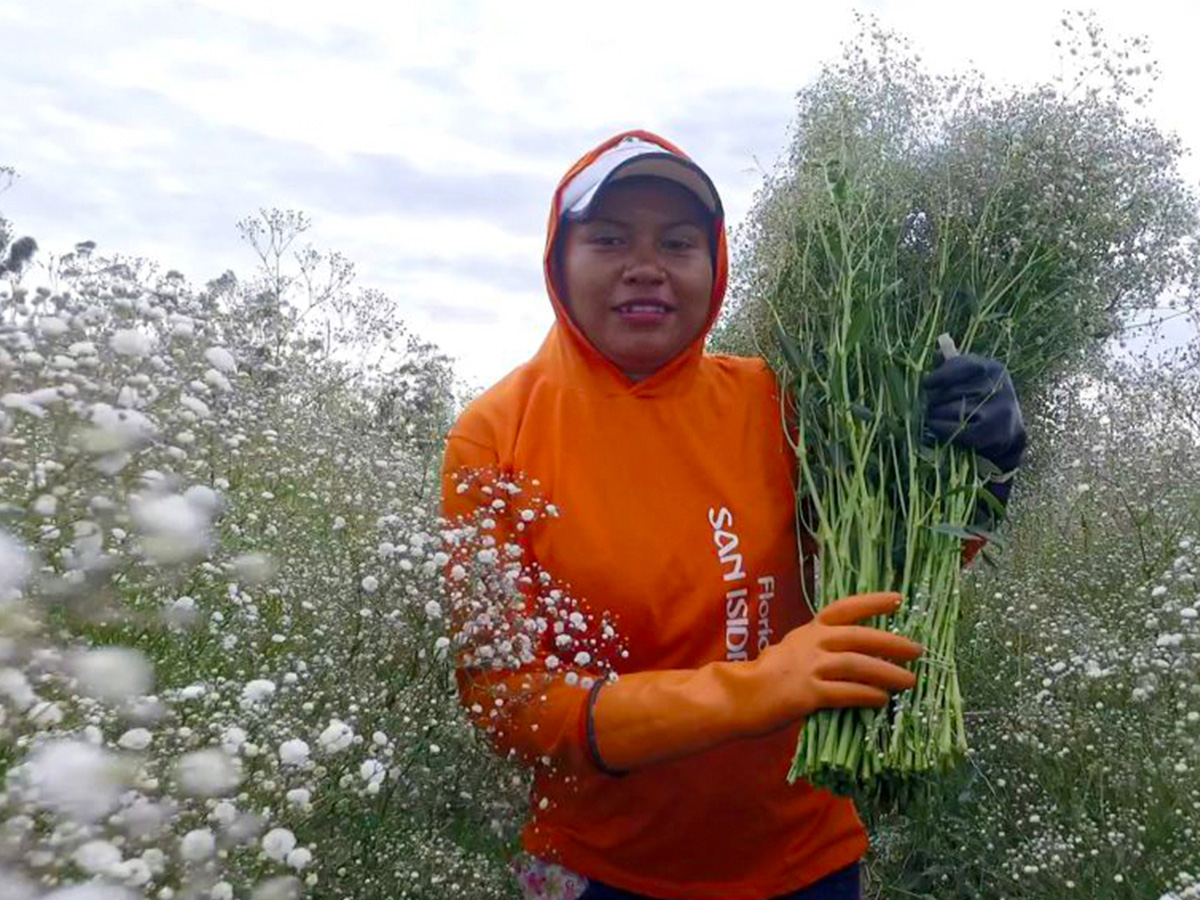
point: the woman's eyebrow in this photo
(608, 220)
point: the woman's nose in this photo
(644, 264)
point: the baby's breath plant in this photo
(1080, 661)
(1024, 224)
(225, 664)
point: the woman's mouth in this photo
(644, 312)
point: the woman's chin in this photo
(641, 361)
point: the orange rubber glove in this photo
(831, 661)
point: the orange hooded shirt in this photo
(677, 518)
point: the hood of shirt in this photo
(571, 351)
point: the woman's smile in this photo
(644, 312)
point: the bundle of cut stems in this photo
(1027, 226)
(860, 306)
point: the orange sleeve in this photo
(529, 713)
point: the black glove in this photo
(970, 402)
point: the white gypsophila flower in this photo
(197, 845)
(233, 739)
(299, 859)
(182, 326)
(224, 813)
(87, 547)
(23, 403)
(75, 779)
(92, 892)
(182, 613)
(222, 890)
(133, 872)
(16, 688)
(370, 584)
(112, 674)
(258, 691)
(294, 752)
(45, 506)
(372, 770)
(45, 714)
(195, 405)
(203, 497)
(128, 397)
(255, 568)
(131, 342)
(336, 737)
(96, 857)
(145, 818)
(299, 797)
(135, 739)
(15, 565)
(116, 430)
(17, 886)
(218, 381)
(53, 326)
(207, 773)
(278, 843)
(174, 528)
(284, 887)
(433, 609)
(221, 360)
(191, 691)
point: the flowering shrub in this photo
(1062, 190)
(1078, 657)
(1081, 667)
(224, 658)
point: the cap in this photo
(634, 156)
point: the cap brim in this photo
(657, 165)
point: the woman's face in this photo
(638, 274)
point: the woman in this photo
(675, 484)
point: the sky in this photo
(424, 139)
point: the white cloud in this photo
(425, 139)
(470, 241)
(13, 12)
(116, 141)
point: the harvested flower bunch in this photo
(915, 218)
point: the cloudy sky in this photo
(424, 138)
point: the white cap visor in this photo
(636, 157)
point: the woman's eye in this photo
(606, 240)
(679, 243)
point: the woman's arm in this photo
(531, 713)
(831, 661)
(578, 720)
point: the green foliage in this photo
(1080, 663)
(1059, 193)
(235, 491)
(1027, 224)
